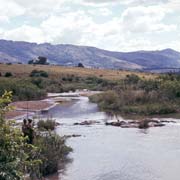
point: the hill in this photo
(71, 55)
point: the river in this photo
(113, 153)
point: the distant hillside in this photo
(71, 55)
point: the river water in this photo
(113, 153)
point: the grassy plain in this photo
(23, 70)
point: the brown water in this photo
(112, 153)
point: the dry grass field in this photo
(19, 70)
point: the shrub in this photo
(132, 78)
(46, 124)
(37, 73)
(18, 158)
(170, 89)
(53, 152)
(44, 74)
(8, 74)
(80, 65)
(9, 63)
(141, 96)
(107, 101)
(31, 61)
(64, 79)
(27, 91)
(22, 89)
(15, 154)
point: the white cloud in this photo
(4, 19)
(25, 33)
(145, 19)
(101, 11)
(98, 2)
(173, 5)
(67, 28)
(143, 2)
(124, 2)
(40, 8)
(9, 9)
(68, 21)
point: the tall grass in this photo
(138, 96)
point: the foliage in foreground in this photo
(52, 147)
(18, 158)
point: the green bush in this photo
(141, 96)
(107, 101)
(16, 156)
(22, 89)
(38, 73)
(53, 152)
(46, 124)
(8, 74)
(132, 78)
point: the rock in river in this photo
(87, 123)
(143, 124)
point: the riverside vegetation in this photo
(18, 158)
(30, 82)
(35, 84)
(124, 92)
(135, 95)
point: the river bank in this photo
(22, 109)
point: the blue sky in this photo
(120, 25)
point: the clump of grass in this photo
(46, 125)
(53, 152)
(39, 73)
(52, 147)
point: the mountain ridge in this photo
(71, 55)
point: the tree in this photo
(31, 61)
(16, 156)
(80, 65)
(42, 60)
(8, 74)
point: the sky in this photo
(118, 25)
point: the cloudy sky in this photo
(122, 25)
